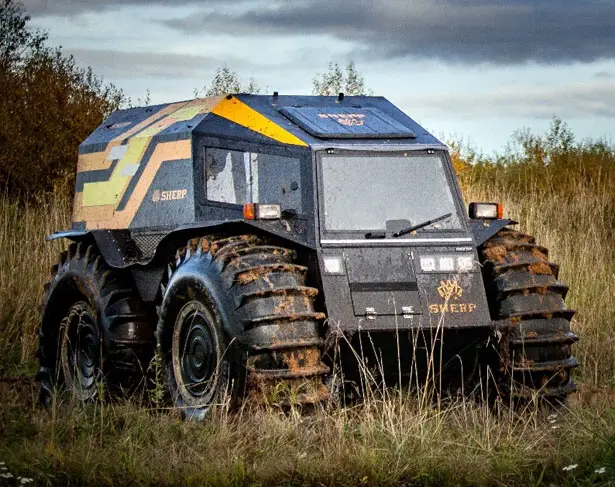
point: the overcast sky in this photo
(477, 69)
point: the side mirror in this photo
(486, 211)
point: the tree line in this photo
(337, 79)
(48, 105)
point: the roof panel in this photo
(347, 123)
(285, 119)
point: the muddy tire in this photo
(200, 365)
(264, 318)
(533, 340)
(95, 333)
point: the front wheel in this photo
(198, 359)
(198, 369)
(237, 319)
(533, 341)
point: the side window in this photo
(227, 179)
(279, 181)
(248, 177)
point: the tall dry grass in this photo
(25, 261)
(390, 441)
(571, 211)
(573, 216)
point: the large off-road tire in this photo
(95, 332)
(533, 338)
(258, 324)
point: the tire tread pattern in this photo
(128, 339)
(525, 296)
(275, 309)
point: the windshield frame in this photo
(361, 234)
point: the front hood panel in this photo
(382, 281)
(383, 288)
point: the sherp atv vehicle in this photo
(231, 236)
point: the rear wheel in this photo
(94, 330)
(81, 351)
(533, 338)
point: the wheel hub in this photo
(196, 353)
(80, 354)
(199, 362)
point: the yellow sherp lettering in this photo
(176, 194)
(452, 308)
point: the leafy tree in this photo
(48, 106)
(553, 147)
(16, 39)
(336, 80)
(227, 81)
(463, 155)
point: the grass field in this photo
(390, 439)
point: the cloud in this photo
(70, 8)
(604, 75)
(567, 101)
(123, 64)
(491, 31)
(459, 31)
(181, 69)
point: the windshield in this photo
(386, 192)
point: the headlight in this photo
(486, 211)
(447, 263)
(333, 264)
(465, 263)
(428, 264)
(259, 211)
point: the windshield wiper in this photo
(421, 225)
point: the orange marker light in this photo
(500, 211)
(249, 211)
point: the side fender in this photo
(483, 230)
(120, 250)
(114, 245)
(196, 276)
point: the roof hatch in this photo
(347, 123)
